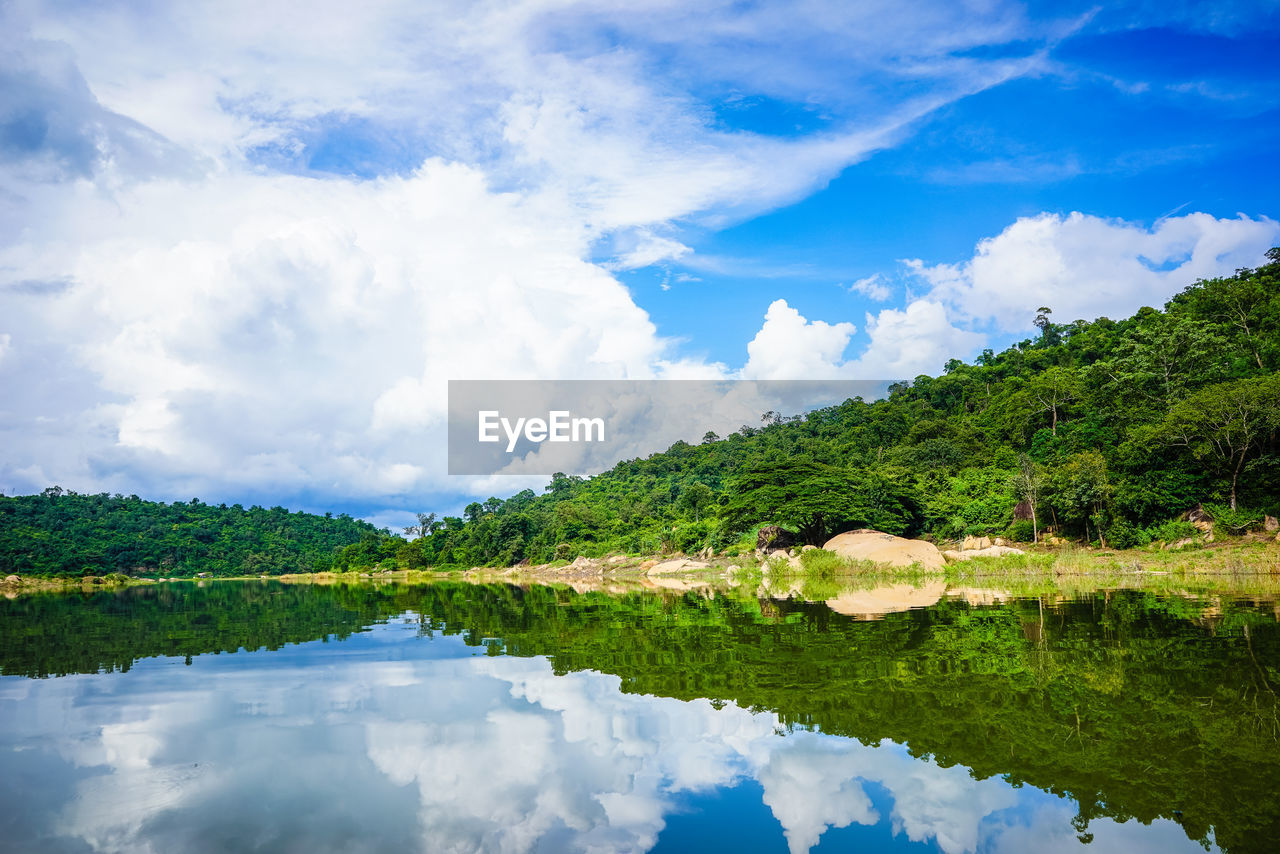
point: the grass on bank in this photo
(1240, 568)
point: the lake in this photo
(265, 716)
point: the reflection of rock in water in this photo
(978, 595)
(682, 585)
(871, 604)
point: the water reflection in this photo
(510, 720)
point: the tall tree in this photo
(1026, 482)
(1228, 424)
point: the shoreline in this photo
(1242, 567)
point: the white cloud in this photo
(648, 248)
(186, 319)
(289, 332)
(789, 347)
(810, 787)
(903, 343)
(872, 287)
(1084, 267)
(918, 339)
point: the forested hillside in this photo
(1102, 430)
(1107, 429)
(63, 533)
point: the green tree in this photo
(1227, 425)
(1082, 491)
(1165, 355)
(1026, 483)
(695, 498)
(1052, 391)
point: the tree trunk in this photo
(1235, 476)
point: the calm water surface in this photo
(266, 717)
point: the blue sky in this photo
(1126, 134)
(243, 248)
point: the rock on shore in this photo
(879, 547)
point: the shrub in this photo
(1237, 522)
(691, 537)
(1122, 535)
(1171, 531)
(1021, 531)
(777, 566)
(819, 562)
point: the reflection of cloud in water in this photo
(568, 758)
(470, 754)
(808, 787)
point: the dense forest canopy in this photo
(63, 533)
(1104, 431)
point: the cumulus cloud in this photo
(1084, 266)
(811, 786)
(914, 340)
(245, 246)
(789, 347)
(901, 344)
(52, 128)
(256, 332)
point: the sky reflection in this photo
(392, 740)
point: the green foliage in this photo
(973, 501)
(817, 500)
(59, 533)
(821, 563)
(1171, 531)
(1229, 425)
(1233, 521)
(1122, 534)
(1021, 531)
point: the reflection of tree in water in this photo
(1134, 705)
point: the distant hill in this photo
(64, 533)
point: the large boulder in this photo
(989, 551)
(677, 565)
(879, 547)
(972, 543)
(773, 537)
